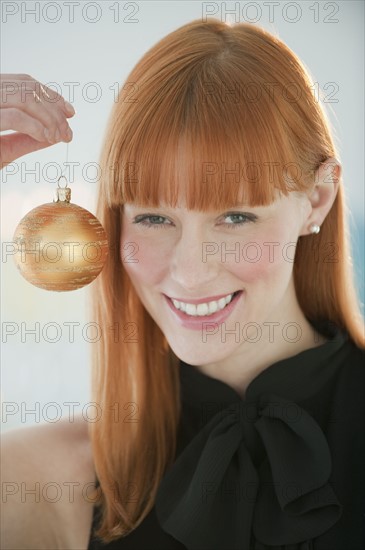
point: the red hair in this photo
(175, 123)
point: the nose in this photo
(191, 268)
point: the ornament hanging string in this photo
(62, 175)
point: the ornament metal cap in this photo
(62, 193)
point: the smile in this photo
(205, 308)
(196, 315)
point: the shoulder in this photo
(348, 396)
(345, 435)
(352, 369)
(57, 449)
(47, 471)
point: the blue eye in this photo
(142, 220)
(246, 219)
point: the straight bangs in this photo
(191, 138)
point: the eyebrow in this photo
(167, 207)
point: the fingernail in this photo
(57, 135)
(69, 133)
(47, 135)
(69, 108)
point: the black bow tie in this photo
(214, 482)
(261, 466)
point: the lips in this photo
(199, 322)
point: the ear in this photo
(323, 195)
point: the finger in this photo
(52, 97)
(47, 93)
(14, 119)
(31, 98)
(17, 145)
(15, 76)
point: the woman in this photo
(230, 372)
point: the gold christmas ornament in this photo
(60, 246)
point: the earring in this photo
(314, 228)
(53, 244)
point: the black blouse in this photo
(282, 469)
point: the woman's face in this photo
(194, 255)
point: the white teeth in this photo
(195, 310)
(203, 309)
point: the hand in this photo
(37, 114)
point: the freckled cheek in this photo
(146, 264)
(261, 262)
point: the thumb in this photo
(13, 146)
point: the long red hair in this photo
(206, 96)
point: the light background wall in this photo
(87, 59)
